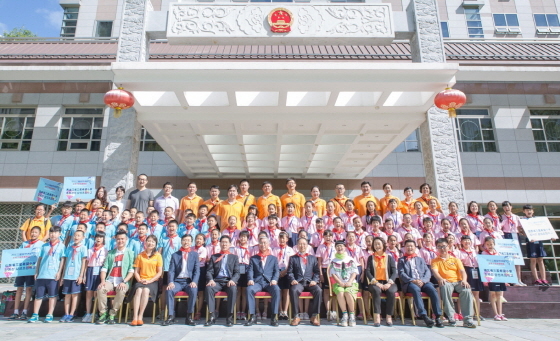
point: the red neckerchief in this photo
(263, 255)
(62, 219)
(281, 252)
(143, 240)
(379, 259)
(222, 255)
(330, 220)
(308, 221)
(510, 220)
(495, 218)
(406, 229)
(246, 254)
(171, 236)
(430, 249)
(75, 250)
(185, 252)
(31, 242)
(51, 250)
(231, 230)
(91, 216)
(491, 233)
(153, 227)
(435, 217)
(375, 234)
(446, 234)
(394, 254)
(95, 250)
(303, 257)
(493, 253)
(189, 228)
(477, 217)
(469, 254)
(351, 251)
(455, 218)
(409, 257)
(466, 234)
(129, 221)
(84, 221)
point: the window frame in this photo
(93, 142)
(403, 147)
(97, 26)
(483, 141)
(444, 31)
(144, 139)
(545, 142)
(69, 31)
(470, 11)
(23, 143)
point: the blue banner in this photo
(510, 247)
(48, 191)
(497, 269)
(18, 262)
(82, 187)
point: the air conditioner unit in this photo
(514, 30)
(555, 30)
(543, 30)
(501, 30)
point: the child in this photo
(272, 230)
(428, 250)
(110, 224)
(474, 218)
(202, 257)
(338, 230)
(95, 258)
(75, 263)
(434, 214)
(188, 227)
(375, 228)
(467, 255)
(393, 248)
(510, 229)
(348, 215)
(201, 223)
(496, 289)
(370, 213)
(328, 219)
(212, 225)
(243, 254)
(407, 227)
(290, 223)
(252, 228)
(168, 215)
(360, 233)
(283, 252)
(418, 216)
(325, 254)
(138, 220)
(392, 213)
(428, 224)
(389, 230)
(100, 227)
(65, 221)
(317, 237)
(33, 244)
(489, 231)
(445, 229)
(83, 219)
(307, 221)
(272, 211)
(232, 230)
(465, 230)
(355, 252)
(154, 227)
(126, 217)
(492, 214)
(214, 246)
(454, 216)
(255, 211)
(140, 242)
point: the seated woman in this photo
(147, 270)
(381, 272)
(343, 274)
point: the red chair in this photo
(303, 296)
(263, 294)
(410, 298)
(455, 297)
(110, 294)
(223, 294)
(398, 306)
(178, 296)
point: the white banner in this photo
(538, 228)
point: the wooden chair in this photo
(358, 297)
(455, 297)
(110, 294)
(398, 307)
(178, 297)
(409, 297)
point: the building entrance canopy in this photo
(276, 119)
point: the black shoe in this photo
(439, 323)
(389, 324)
(251, 321)
(229, 321)
(170, 320)
(274, 321)
(211, 320)
(189, 321)
(377, 325)
(452, 323)
(429, 322)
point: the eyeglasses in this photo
(442, 247)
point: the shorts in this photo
(202, 279)
(69, 287)
(325, 285)
(242, 282)
(25, 281)
(46, 288)
(353, 290)
(535, 250)
(475, 283)
(497, 286)
(92, 281)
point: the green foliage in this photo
(19, 32)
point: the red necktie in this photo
(222, 255)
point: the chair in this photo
(129, 307)
(455, 297)
(178, 296)
(398, 307)
(110, 294)
(223, 294)
(303, 296)
(358, 297)
(410, 298)
(262, 294)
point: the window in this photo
(444, 29)
(17, 128)
(147, 142)
(81, 129)
(410, 144)
(546, 130)
(475, 131)
(547, 23)
(104, 29)
(474, 24)
(506, 24)
(69, 22)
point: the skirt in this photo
(475, 283)
(92, 281)
(153, 287)
(535, 250)
(497, 287)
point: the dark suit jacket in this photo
(213, 268)
(312, 271)
(256, 273)
(176, 265)
(390, 265)
(405, 271)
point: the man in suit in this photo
(222, 273)
(262, 275)
(183, 275)
(415, 279)
(303, 274)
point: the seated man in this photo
(183, 275)
(303, 274)
(115, 275)
(222, 273)
(451, 276)
(262, 275)
(415, 279)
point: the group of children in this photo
(73, 251)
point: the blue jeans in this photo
(429, 289)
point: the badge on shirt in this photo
(96, 270)
(474, 273)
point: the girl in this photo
(426, 191)
(344, 272)
(496, 289)
(428, 250)
(392, 213)
(452, 242)
(370, 213)
(375, 228)
(272, 230)
(382, 273)
(510, 228)
(407, 205)
(466, 231)
(199, 243)
(252, 228)
(338, 230)
(348, 215)
(317, 237)
(272, 209)
(384, 202)
(213, 246)
(488, 231)
(474, 218)
(454, 216)
(389, 230)
(330, 215)
(393, 248)
(319, 205)
(418, 216)
(307, 221)
(242, 251)
(445, 229)
(428, 224)
(492, 214)
(360, 233)
(255, 211)
(407, 227)
(368, 251)
(232, 230)
(119, 202)
(290, 223)
(467, 255)
(100, 194)
(436, 215)
(212, 225)
(201, 223)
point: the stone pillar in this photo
(426, 44)
(133, 40)
(442, 161)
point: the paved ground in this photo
(512, 330)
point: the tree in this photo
(19, 32)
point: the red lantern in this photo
(119, 100)
(450, 99)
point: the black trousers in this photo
(210, 292)
(376, 293)
(315, 290)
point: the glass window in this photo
(546, 20)
(69, 22)
(104, 29)
(445, 29)
(474, 23)
(410, 144)
(475, 131)
(81, 129)
(505, 20)
(16, 126)
(546, 130)
(147, 142)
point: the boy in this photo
(83, 218)
(75, 258)
(99, 227)
(201, 223)
(189, 227)
(133, 229)
(154, 227)
(47, 274)
(65, 220)
(140, 240)
(27, 282)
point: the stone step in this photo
(528, 293)
(527, 278)
(528, 309)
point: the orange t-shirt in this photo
(361, 201)
(262, 204)
(297, 199)
(448, 268)
(191, 204)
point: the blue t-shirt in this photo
(183, 231)
(50, 263)
(155, 230)
(72, 230)
(73, 264)
(202, 227)
(65, 225)
(168, 249)
(34, 247)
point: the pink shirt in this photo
(233, 235)
(253, 235)
(328, 220)
(454, 223)
(212, 249)
(202, 255)
(510, 223)
(273, 236)
(283, 255)
(290, 224)
(244, 254)
(396, 254)
(468, 258)
(485, 252)
(417, 221)
(436, 218)
(476, 223)
(316, 239)
(355, 252)
(347, 220)
(414, 232)
(475, 241)
(484, 234)
(396, 234)
(326, 254)
(361, 239)
(396, 217)
(495, 222)
(442, 234)
(308, 224)
(428, 254)
(378, 234)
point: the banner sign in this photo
(18, 262)
(48, 191)
(82, 187)
(538, 228)
(510, 247)
(497, 269)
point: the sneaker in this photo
(23, 317)
(481, 318)
(283, 315)
(538, 282)
(102, 319)
(497, 318)
(70, 318)
(344, 320)
(334, 315)
(452, 323)
(503, 317)
(305, 316)
(63, 319)
(34, 318)
(352, 321)
(49, 318)
(13, 317)
(111, 319)
(522, 284)
(458, 317)
(467, 324)
(545, 282)
(263, 315)
(86, 318)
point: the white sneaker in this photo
(344, 320)
(86, 318)
(352, 320)
(503, 317)
(334, 315)
(305, 316)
